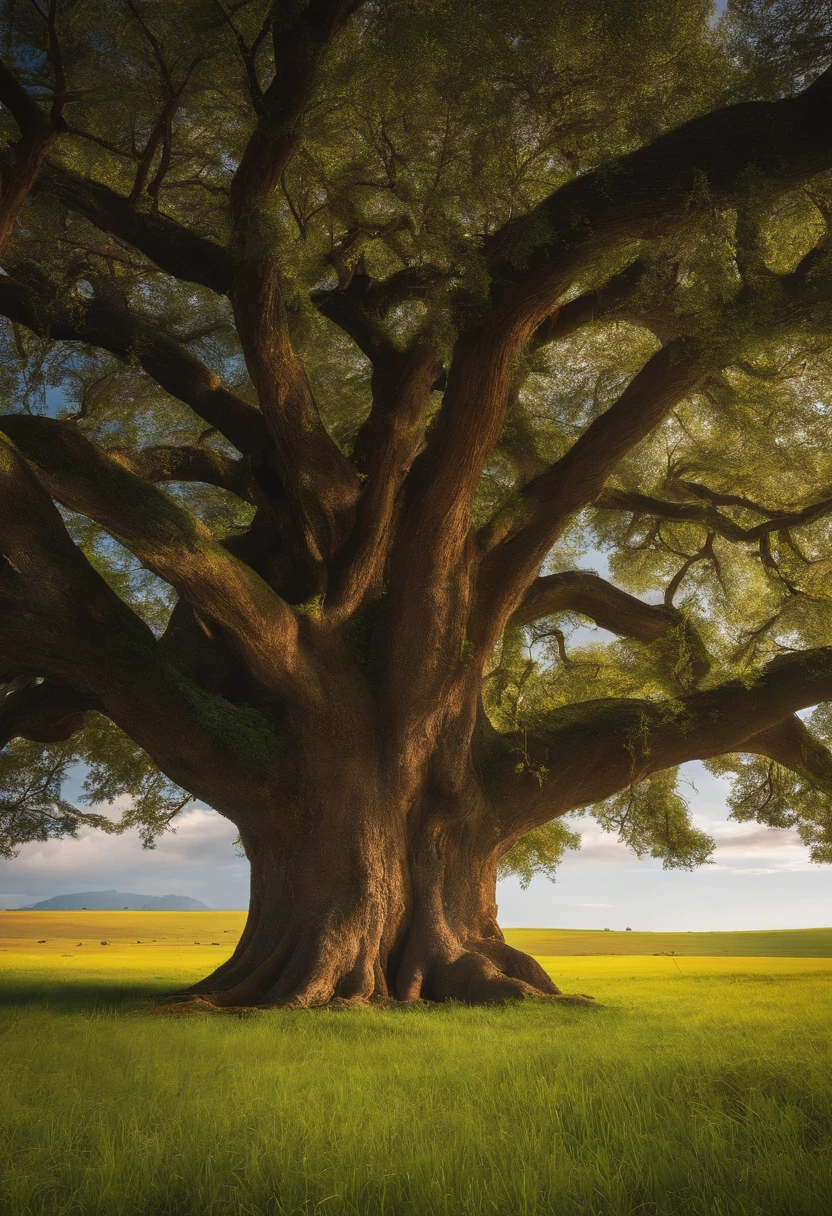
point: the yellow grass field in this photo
(173, 949)
(191, 944)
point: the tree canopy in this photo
(305, 304)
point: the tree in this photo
(337, 333)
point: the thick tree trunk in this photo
(375, 904)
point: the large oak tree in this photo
(337, 335)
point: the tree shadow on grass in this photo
(81, 996)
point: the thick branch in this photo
(518, 541)
(170, 245)
(576, 479)
(384, 451)
(361, 305)
(593, 749)
(793, 745)
(349, 309)
(619, 297)
(646, 193)
(536, 258)
(171, 542)
(109, 325)
(588, 594)
(188, 462)
(318, 479)
(23, 108)
(46, 712)
(298, 48)
(62, 621)
(38, 133)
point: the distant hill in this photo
(104, 900)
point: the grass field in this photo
(703, 1087)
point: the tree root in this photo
(471, 978)
(191, 1005)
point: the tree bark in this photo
(367, 899)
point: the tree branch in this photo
(170, 245)
(38, 132)
(248, 54)
(709, 517)
(586, 593)
(618, 298)
(318, 479)
(109, 325)
(575, 480)
(597, 748)
(384, 451)
(170, 542)
(537, 257)
(188, 462)
(43, 711)
(23, 108)
(61, 620)
(644, 194)
(361, 305)
(517, 541)
(793, 745)
(299, 45)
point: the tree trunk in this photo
(372, 903)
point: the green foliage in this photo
(538, 852)
(765, 792)
(779, 43)
(31, 803)
(116, 772)
(653, 819)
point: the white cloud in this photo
(197, 859)
(747, 870)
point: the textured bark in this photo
(374, 904)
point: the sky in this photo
(760, 878)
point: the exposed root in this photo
(189, 1006)
(186, 1005)
(488, 973)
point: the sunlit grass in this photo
(703, 1087)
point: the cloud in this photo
(754, 837)
(749, 871)
(743, 845)
(197, 859)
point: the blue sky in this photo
(760, 878)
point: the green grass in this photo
(703, 1087)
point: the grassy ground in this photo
(703, 1087)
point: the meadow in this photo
(701, 1087)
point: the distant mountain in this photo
(104, 900)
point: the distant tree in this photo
(412, 306)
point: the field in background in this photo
(702, 1087)
(208, 937)
(775, 943)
